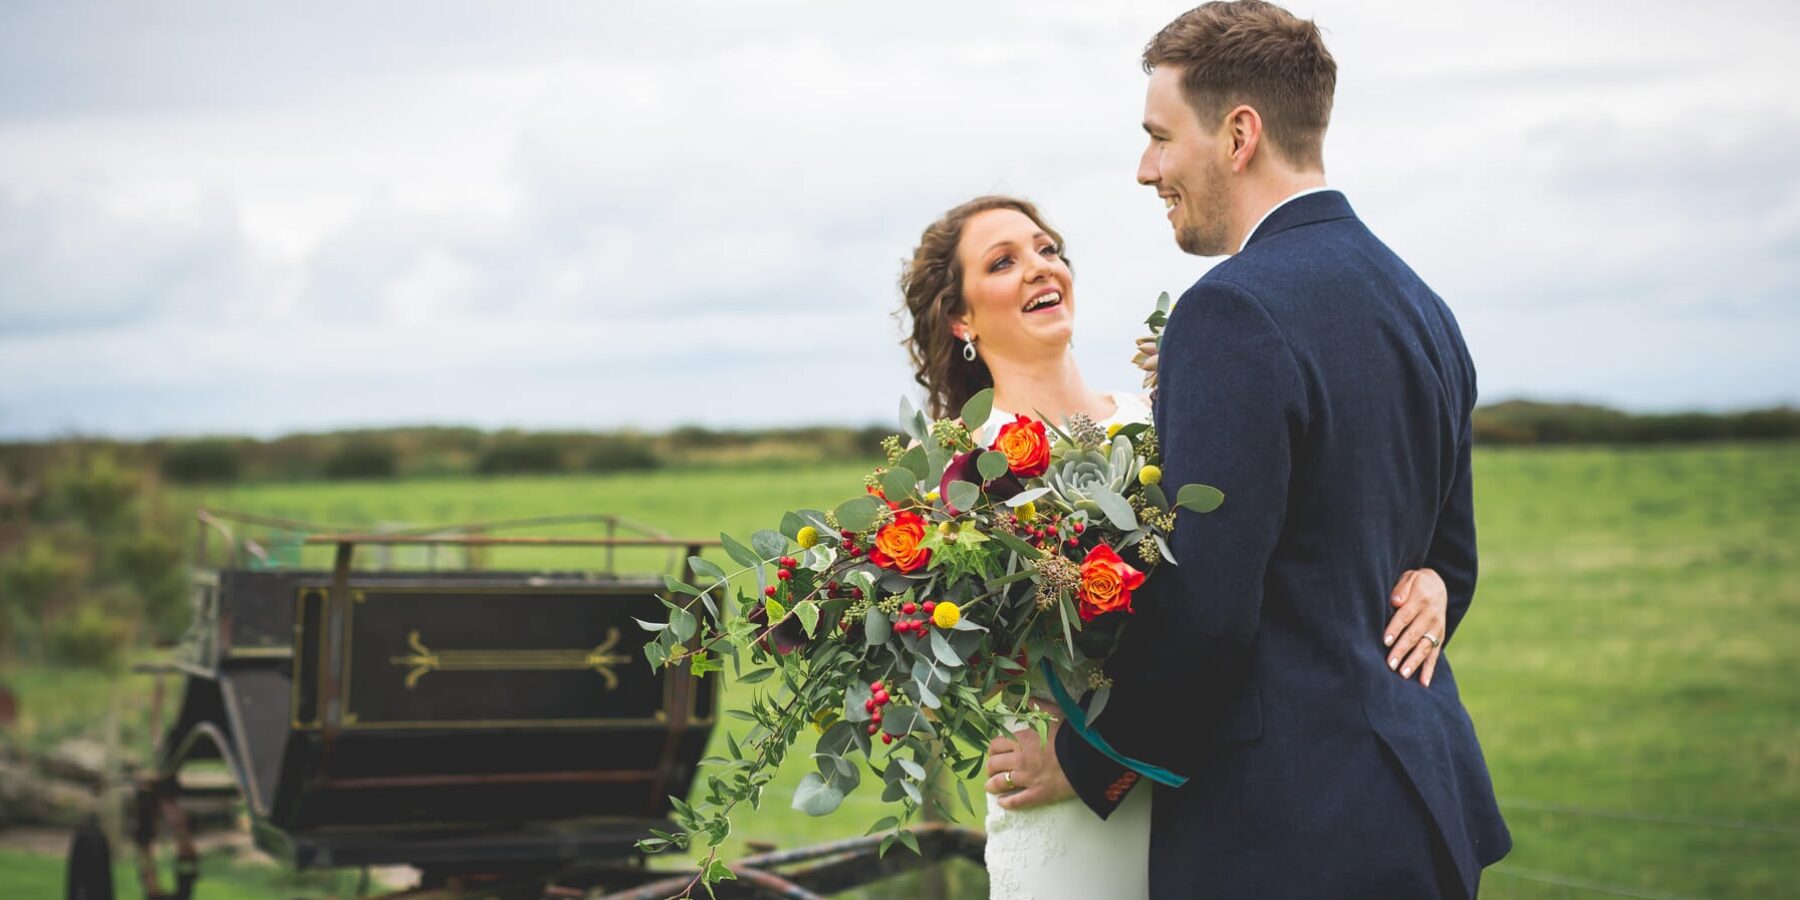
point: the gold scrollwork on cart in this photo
(424, 660)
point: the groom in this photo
(1326, 390)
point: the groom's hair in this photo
(1257, 54)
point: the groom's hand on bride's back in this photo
(1415, 635)
(1037, 777)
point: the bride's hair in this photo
(931, 286)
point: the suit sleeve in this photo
(1231, 411)
(1452, 551)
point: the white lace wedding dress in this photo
(1064, 851)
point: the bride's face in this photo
(1019, 293)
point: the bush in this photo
(89, 638)
(362, 459)
(622, 454)
(153, 566)
(96, 492)
(195, 462)
(514, 455)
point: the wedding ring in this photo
(1009, 781)
(1432, 638)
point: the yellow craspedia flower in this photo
(931, 496)
(1027, 511)
(1112, 430)
(824, 719)
(946, 615)
(807, 537)
(1149, 475)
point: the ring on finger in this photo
(1432, 638)
(1009, 781)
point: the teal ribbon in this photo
(1076, 717)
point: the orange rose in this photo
(1026, 446)
(1106, 583)
(897, 543)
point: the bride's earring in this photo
(969, 349)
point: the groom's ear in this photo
(1243, 135)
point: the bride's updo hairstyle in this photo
(931, 285)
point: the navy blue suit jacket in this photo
(1318, 382)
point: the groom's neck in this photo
(1262, 192)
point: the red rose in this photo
(897, 543)
(1106, 583)
(1026, 445)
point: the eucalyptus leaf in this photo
(1015, 543)
(705, 568)
(649, 626)
(1167, 554)
(768, 544)
(858, 514)
(1117, 510)
(943, 651)
(991, 464)
(680, 587)
(1154, 494)
(975, 412)
(911, 768)
(682, 624)
(1097, 702)
(963, 495)
(739, 553)
(916, 461)
(791, 524)
(898, 483)
(1023, 497)
(1201, 498)
(876, 628)
(816, 798)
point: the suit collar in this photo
(1323, 206)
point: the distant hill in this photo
(455, 451)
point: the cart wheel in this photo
(161, 800)
(90, 864)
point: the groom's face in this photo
(1187, 165)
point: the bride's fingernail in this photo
(1406, 672)
(1387, 641)
(1394, 661)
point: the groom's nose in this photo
(1149, 166)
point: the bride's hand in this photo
(1422, 603)
(1146, 359)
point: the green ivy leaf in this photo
(808, 612)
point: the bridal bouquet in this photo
(902, 624)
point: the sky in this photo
(232, 218)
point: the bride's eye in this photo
(999, 264)
(1051, 250)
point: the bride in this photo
(991, 299)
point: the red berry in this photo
(908, 608)
(1079, 528)
(831, 586)
(856, 593)
(874, 727)
(1073, 541)
(847, 533)
(929, 607)
(856, 551)
(875, 685)
(789, 561)
(783, 574)
(881, 698)
(887, 738)
(769, 591)
(875, 716)
(869, 705)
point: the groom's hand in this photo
(1037, 776)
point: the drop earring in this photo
(969, 349)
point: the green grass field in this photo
(1628, 660)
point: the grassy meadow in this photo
(1629, 659)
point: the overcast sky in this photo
(259, 218)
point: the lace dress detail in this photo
(1064, 851)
